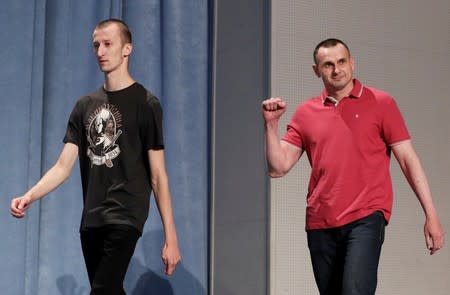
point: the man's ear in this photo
(127, 48)
(316, 70)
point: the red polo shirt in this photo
(348, 148)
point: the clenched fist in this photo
(273, 108)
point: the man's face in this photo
(335, 67)
(109, 48)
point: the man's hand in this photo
(273, 108)
(19, 205)
(170, 257)
(434, 235)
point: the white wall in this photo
(401, 47)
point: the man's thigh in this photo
(363, 247)
(326, 260)
(107, 272)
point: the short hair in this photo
(125, 32)
(331, 42)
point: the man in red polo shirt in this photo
(348, 133)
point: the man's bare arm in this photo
(412, 169)
(54, 177)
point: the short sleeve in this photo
(74, 128)
(293, 135)
(152, 128)
(393, 125)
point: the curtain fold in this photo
(47, 64)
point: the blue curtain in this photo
(47, 64)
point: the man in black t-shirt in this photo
(116, 132)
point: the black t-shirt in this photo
(114, 131)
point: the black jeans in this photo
(107, 253)
(345, 259)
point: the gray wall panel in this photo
(239, 209)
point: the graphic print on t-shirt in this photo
(102, 132)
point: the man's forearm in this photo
(164, 203)
(415, 175)
(50, 181)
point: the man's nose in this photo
(100, 50)
(336, 69)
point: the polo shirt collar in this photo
(355, 93)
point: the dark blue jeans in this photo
(107, 252)
(345, 259)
